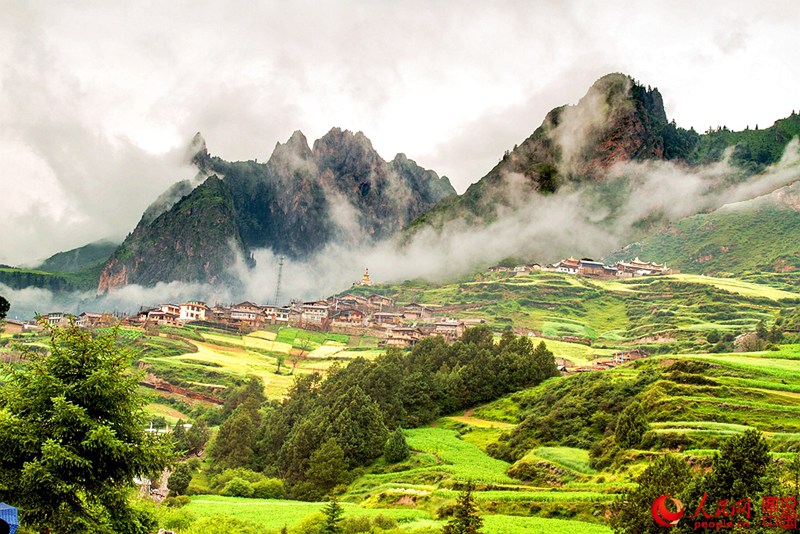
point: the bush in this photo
(384, 521)
(218, 482)
(222, 525)
(355, 525)
(238, 487)
(178, 501)
(175, 519)
(270, 488)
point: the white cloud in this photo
(96, 97)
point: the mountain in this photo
(762, 234)
(296, 203)
(79, 259)
(193, 242)
(617, 120)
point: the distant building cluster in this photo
(398, 325)
(593, 269)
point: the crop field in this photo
(505, 524)
(171, 415)
(576, 460)
(463, 460)
(275, 514)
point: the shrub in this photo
(177, 501)
(222, 525)
(238, 487)
(270, 488)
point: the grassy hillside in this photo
(666, 313)
(79, 259)
(731, 240)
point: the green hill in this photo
(754, 236)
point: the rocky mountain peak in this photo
(197, 152)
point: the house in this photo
(56, 319)
(270, 313)
(524, 269)
(499, 269)
(193, 311)
(170, 308)
(349, 317)
(159, 316)
(282, 315)
(386, 318)
(247, 317)
(569, 266)
(402, 337)
(451, 330)
(92, 320)
(590, 268)
(380, 301)
(417, 312)
(628, 356)
(639, 267)
(14, 327)
(314, 313)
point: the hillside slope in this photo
(762, 234)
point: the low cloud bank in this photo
(589, 220)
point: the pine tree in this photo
(396, 449)
(631, 426)
(333, 512)
(466, 519)
(72, 436)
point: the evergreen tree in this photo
(196, 437)
(631, 514)
(71, 436)
(4, 307)
(179, 438)
(180, 478)
(333, 513)
(465, 519)
(631, 426)
(396, 449)
(327, 466)
(233, 446)
(359, 427)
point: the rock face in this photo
(295, 204)
(194, 241)
(617, 120)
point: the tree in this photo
(465, 519)
(327, 466)
(631, 426)
(196, 437)
(333, 512)
(4, 307)
(396, 449)
(72, 436)
(631, 514)
(180, 478)
(233, 446)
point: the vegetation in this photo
(71, 435)
(465, 517)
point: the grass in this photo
(275, 514)
(462, 460)
(576, 460)
(506, 524)
(171, 415)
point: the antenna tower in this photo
(278, 285)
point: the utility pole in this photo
(278, 285)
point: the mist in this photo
(573, 222)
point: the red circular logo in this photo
(662, 515)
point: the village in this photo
(352, 313)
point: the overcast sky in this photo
(98, 99)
